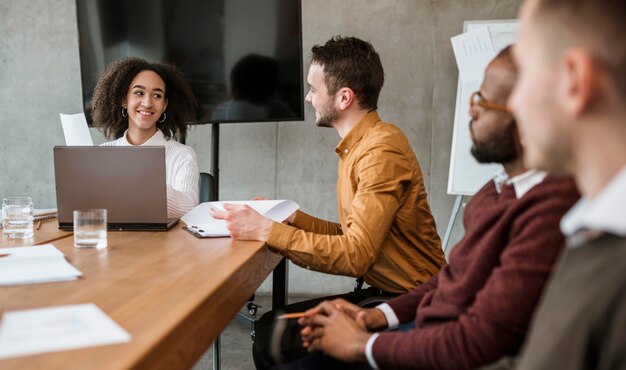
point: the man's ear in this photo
(345, 97)
(581, 78)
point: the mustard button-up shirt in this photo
(386, 232)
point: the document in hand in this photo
(200, 222)
(76, 130)
(39, 264)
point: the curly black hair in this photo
(112, 87)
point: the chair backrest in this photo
(206, 186)
(373, 301)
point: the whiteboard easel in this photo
(466, 176)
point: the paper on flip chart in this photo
(473, 50)
(37, 264)
(200, 221)
(28, 332)
(76, 130)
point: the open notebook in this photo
(201, 224)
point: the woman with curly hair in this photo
(142, 103)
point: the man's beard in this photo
(328, 115)
(499, 148)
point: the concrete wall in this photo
(39, 77)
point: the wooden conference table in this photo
(174, 294)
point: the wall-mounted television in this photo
(243, 58)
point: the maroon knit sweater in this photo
(478, 308)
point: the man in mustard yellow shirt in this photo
(386, 233)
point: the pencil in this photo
(294, 315)
(4, 254)
(38, 225)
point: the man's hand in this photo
(330, 329)
(244, 223)
(289, 219)
(374, 318)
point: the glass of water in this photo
(17, 217)
(90, 228)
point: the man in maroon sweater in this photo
(478, 308)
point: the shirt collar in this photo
(158, 139)
(521, 183)
(602, 214)
(356, 133)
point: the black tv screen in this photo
(243, 58)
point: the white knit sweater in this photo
(181, 172)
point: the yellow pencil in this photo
(294, 315)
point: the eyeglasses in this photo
(477, 99)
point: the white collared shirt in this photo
(181, 172)
(606, 213)
(521, 184)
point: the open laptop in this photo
(128, 181)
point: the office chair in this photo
(206, 188)
(372, 302)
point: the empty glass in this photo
(17, 217)
(90, 228)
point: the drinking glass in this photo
(90, 228)
(17, 217)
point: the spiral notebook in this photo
(44, 214)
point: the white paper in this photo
(41, 330)
(473, 50)
(76, 130)
(38, 264)
(200, 221)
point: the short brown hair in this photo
(351, 62)
(113, 85)
(597, 25)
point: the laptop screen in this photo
(128, 181)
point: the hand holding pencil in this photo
(329, 328)
(374, 318)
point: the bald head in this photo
(501, 75)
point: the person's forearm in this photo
(307, 222)
(179, 202)
(332, 254)
(405, 305)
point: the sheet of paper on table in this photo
(33, 331)
(35, 264)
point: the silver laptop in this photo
(128, 181)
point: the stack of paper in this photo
(200, 222)
(39, 264)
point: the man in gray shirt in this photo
(570, 102)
